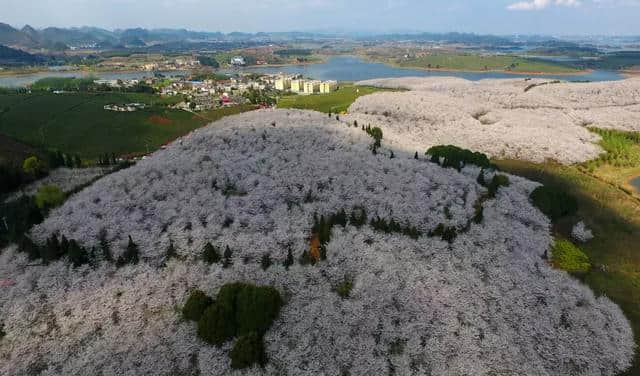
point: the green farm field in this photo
(469, 62)
(77, 122)
(336, 102)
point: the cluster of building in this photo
(300, 85)
(180, 63)
(131, 107)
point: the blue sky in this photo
(552, 17)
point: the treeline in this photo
(453, 156)
(260, 97)
(13, 174)
(294, 52)
(55, 249)
(208, 61)
(87, 85)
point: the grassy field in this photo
(336, 102)
(614, 216)
(77, 123)
(468, 62)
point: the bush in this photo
(48, 197)
(553, 203)
(195, 306)
(34, 166)
(211, 254)
(565, 255)
(344, 288)
(497, 182)
(457, 157)
(216, 325)
(239, 309)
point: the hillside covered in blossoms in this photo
(385, 263)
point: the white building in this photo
(297, 86)
(238, 60)
(283, 83)
(311, 87)
(328, 86)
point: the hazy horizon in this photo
(501, 17)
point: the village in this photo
(202, 92)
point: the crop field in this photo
(335, 102)
(484, 63)
(77, 123)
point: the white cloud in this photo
(541, 4)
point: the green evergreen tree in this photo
(228, 253)
(289, 260)
(210, 254)
(130, 255)
(265, 262)
(77, 255)
(415, 156)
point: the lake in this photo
(339, 68)
(351, 68)
(28, 79)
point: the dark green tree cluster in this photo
(208, 61)
(391, 226)
(211, 254)
(54, 250)
(376, 134)
(257, 96)
(497, 182)
(17, 217)
(239, 310)
(130, 255)
(59, 159)
(322, 228)
(448, 234)
(456, 157)
(107, 159)
(553, 203)
(12, 176)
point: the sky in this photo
(548, 17)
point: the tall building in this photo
(311, 87)
(297, 86)
(283, 83)
(328, 86)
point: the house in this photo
(238, 60)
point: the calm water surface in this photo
(349, 68)
(339, 68)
